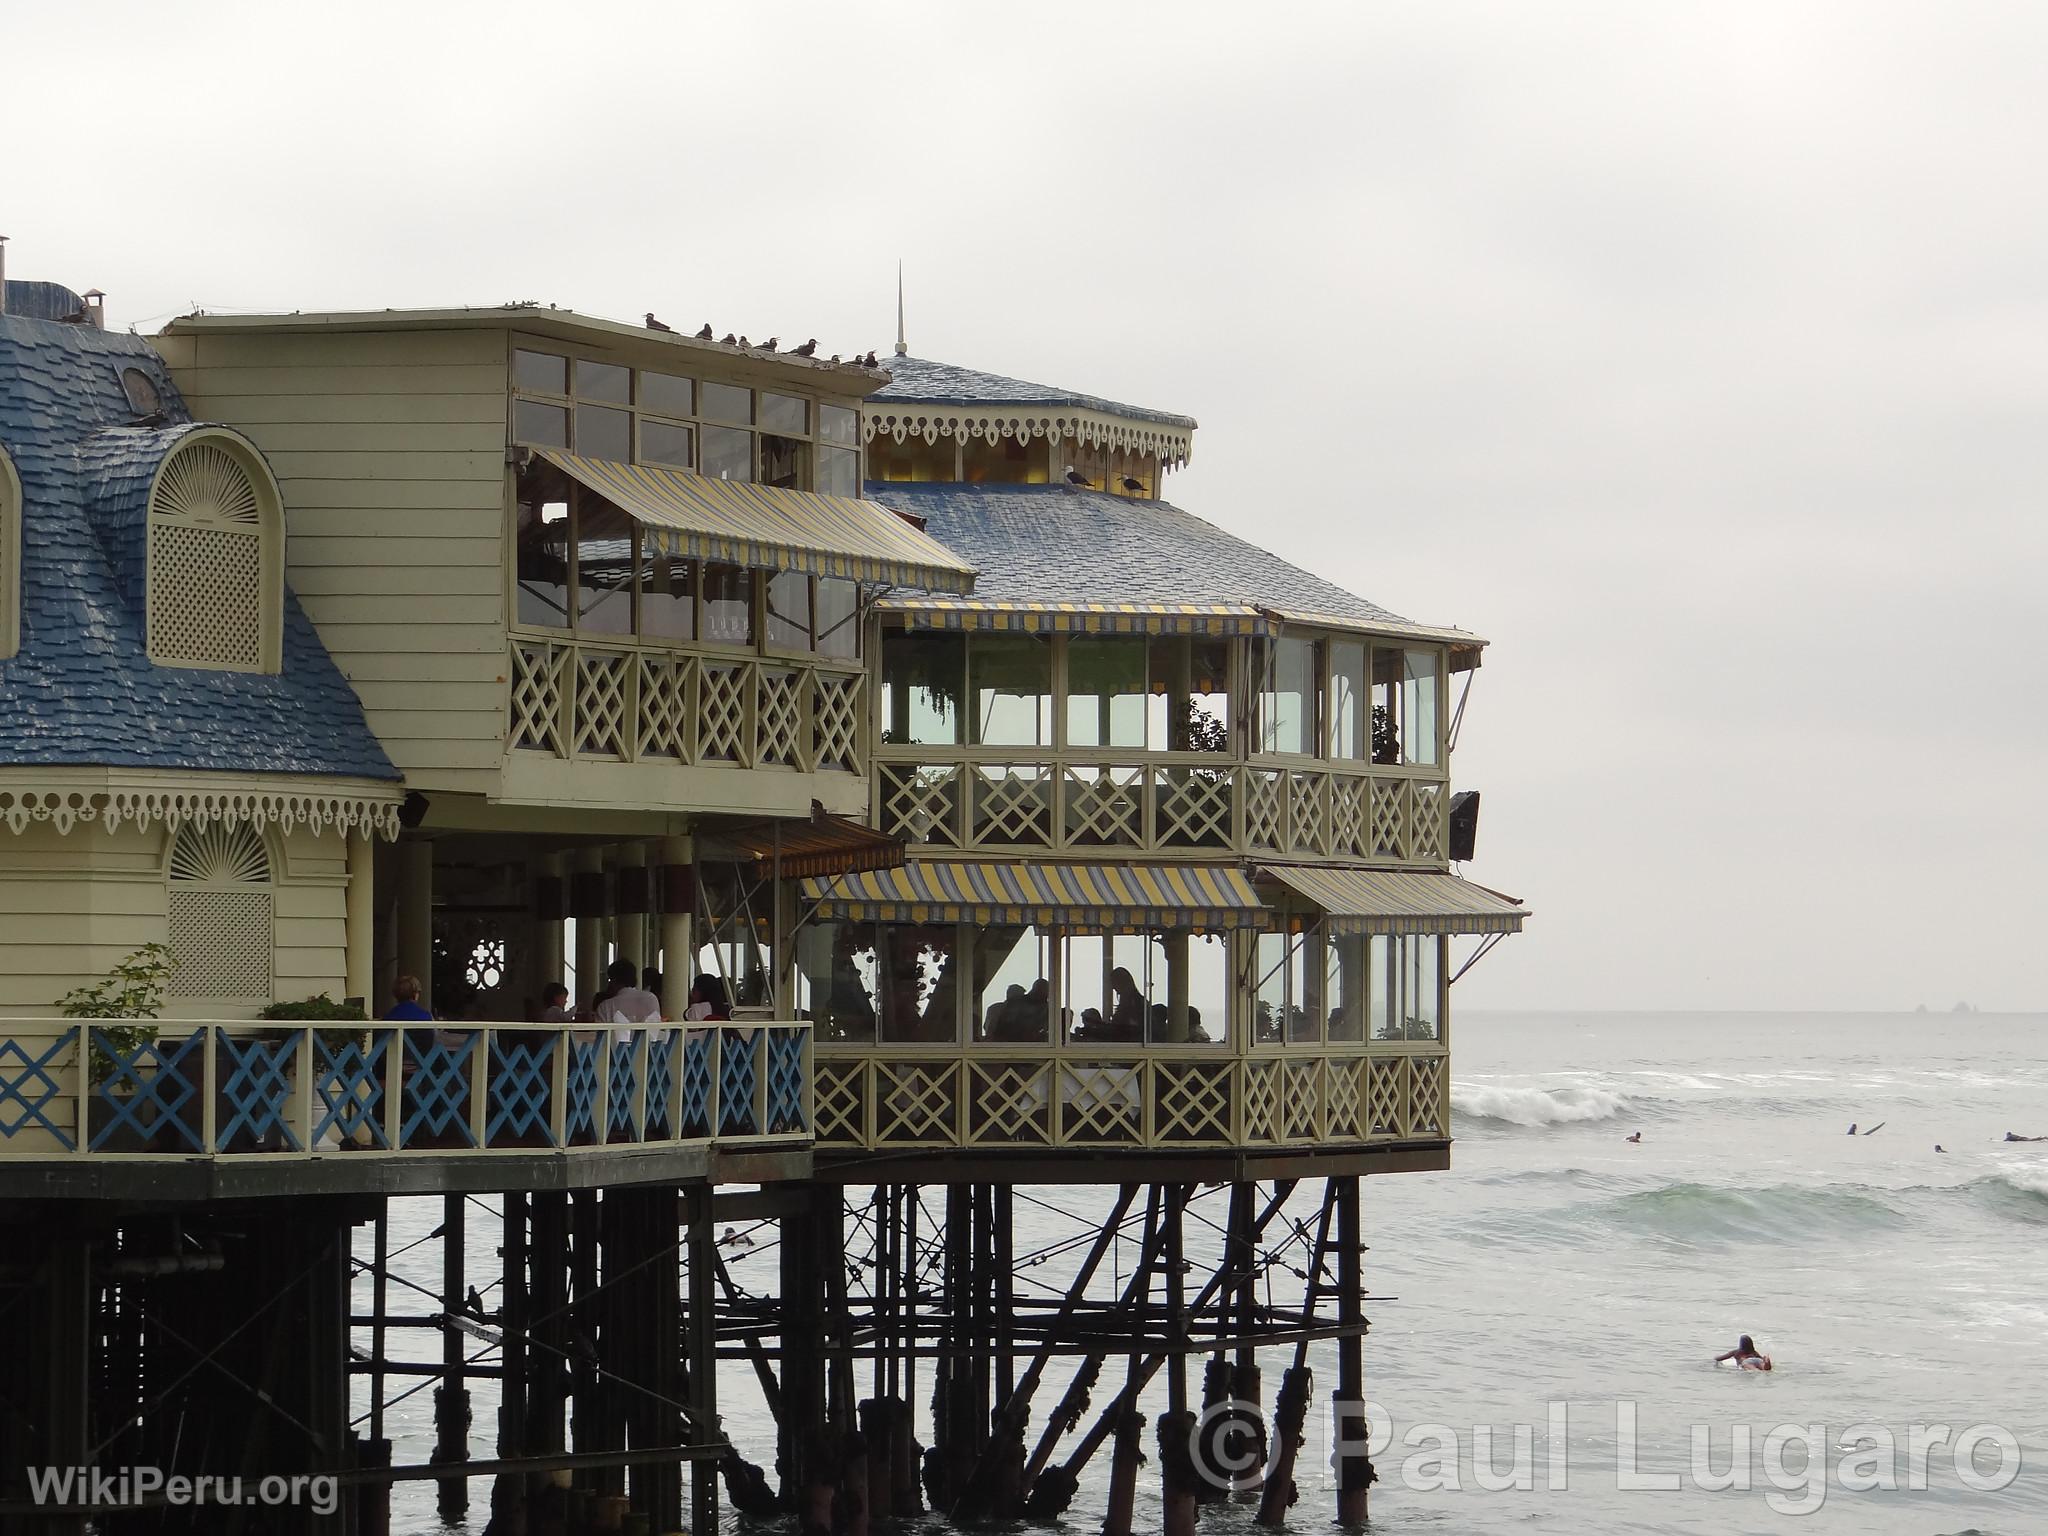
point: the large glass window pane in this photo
(920, 983)
(668, 595)
(838, 472)
(604, 434)
(728, 403)
(1419, 705)
(542, 372)
(838, 979)
(1010, 682)
(603, 381)
(1287, 697)
(1208, 1012)
(924, 679)
(1190, 706)
(543, 540)
(728, 454)
(666, 442)
(1345, 983)
(789, 611)
(728, 605)
(1349, 709)
(1106, 697)
(1085, 1005)
(1412, 1006)
(784, 462)
(786, 414)
(604, 566)
(668, 394)
(838, 424)
(838, 618)
(1012, 989)
(544, 426)
(1279, 990)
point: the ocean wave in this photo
(1532, 1107)
(1710, 1213)
(2021, 1192)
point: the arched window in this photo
(10, 557)
(222, 913)
(216, 557)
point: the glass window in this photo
(1345, 986)
(1107, 703)
(1208, 1011)
(541, 372)
(1287, 697)
(728, 604)
(1190, 706)
(838, 424)
(1276, 1014)
(1407, 1000)
(728, 403)
(666, 442)
(838, 979)
(784, 462)
(603, 381)
(543, 539)
(1348, 707)
(838, 471)
(1117, 989)
(666, 393)
(545, 426)
(1010, 682)
(838, 618)
(1405, 721)
(728, 453)
(604, 434)
(668, 595)
(924, 678)
(604, 566)
(789, 611)
(786, 414)
(920, 983)
(1012, 989)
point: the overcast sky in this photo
(1695, 355)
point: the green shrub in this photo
(134, 989)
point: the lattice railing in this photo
(242, 1090)
(993, 1098)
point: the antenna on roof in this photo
(902, 346)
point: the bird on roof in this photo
(808, 349)
(705, 334)
(745, 343)
(655, 325)
(769, 344)
(1075, 477)
(835, 357)
(153, 419)
(729, 340)
(1132, 484)
(868, 361)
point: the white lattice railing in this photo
(1176, 805)
(619, 703)
(989, 1097)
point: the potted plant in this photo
(336, 1026)
(132, 993)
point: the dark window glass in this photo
(541, 372)
(839, 471)
(543, 540)
(1010, 681)
(924, 675)
(668, 394)
(546, 426)
(785, 414)
(920, 983)
(728, 402)
(603, 381)
(604, 567)
(668, 597)
(838, 618)
(1012, 984)
(664, 442)
(782, 461)
(603, 434)
(839, 424)
(728, 604)
(728, 454)
(789, 611)
(1107, 703)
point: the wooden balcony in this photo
(211, 1109)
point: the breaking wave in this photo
(1534, 1106)
(2019, 1192)
(1710, 1213)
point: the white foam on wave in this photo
(2029, 1181)
(1534, 1106)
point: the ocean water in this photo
(1559, 1278)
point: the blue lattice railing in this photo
(788, 1101)
(619, 1096)
(738, 1075)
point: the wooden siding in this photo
(389, 449)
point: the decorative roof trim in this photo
(65, 799)
(1092, 429)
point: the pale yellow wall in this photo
(390, 453)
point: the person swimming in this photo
(2011, 1136)
(1852, 1127)
(1746, 1356)
(1635, 1140)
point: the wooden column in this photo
(675, 894)
(416, 915)
(587, 906)
(360, 920)
(451, 1398)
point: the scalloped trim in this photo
(111, 808)
(1173, 445)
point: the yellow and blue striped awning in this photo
(1097, 897)
(1079, 618)
(770, 527)
(1399, 900)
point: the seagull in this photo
(1132, 484)
(808, 349)
(705, 334)
(1075, 477)
(655, 325)
(730, 340)
(769, 344)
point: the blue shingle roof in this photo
(82, 690)
(1051, 544)
(919, 380)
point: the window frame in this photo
(270, 534)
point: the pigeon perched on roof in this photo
(745, 343)
(1075, 477)
(807, 349)
(729, 340)
(868, 361)
(769, 344)
(705, 334)
(655, 325)
(835, 357)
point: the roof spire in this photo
(902, 346)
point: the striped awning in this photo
(697, 518)
(1098, 897)
(1079, 618)
(1399, 901)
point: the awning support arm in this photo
(1458, 714)
(1485, 948)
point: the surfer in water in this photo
(2010, 1136)
(1635, 1140)
(1746, 1356)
